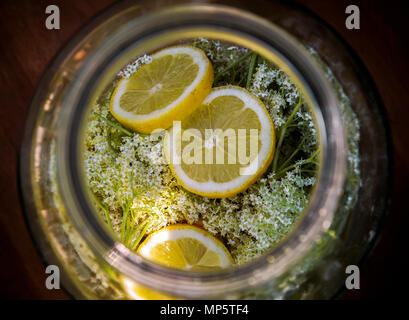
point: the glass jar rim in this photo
(260, 35)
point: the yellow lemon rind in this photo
(178, 112)
(261, 170)
(192, 228)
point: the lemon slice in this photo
(136, 291)
(167, 89)
(223, 146)
(186, 247)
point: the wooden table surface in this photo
(26, 47)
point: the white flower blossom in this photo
(132, 67)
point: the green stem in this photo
(122, 129)
(132, 234)
(310, 171)
(293, 154)
(282, 133)
(125, 211)
(232, 65)
(109, 140)
(251, 68)
(141, 234)
(309, 160)
(233, 76)
(277, 233)
(104, 208)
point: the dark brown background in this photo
(26, 47)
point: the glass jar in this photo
(338, 227)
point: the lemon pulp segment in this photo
(185, 247)
(226, 109)
(169, 88)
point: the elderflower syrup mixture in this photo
(137, 193)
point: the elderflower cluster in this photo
(126, 172)
(132, 67)
(280, 96)
(223, 55)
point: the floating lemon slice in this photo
(224, 146)
(169, 88)
(185, 247)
